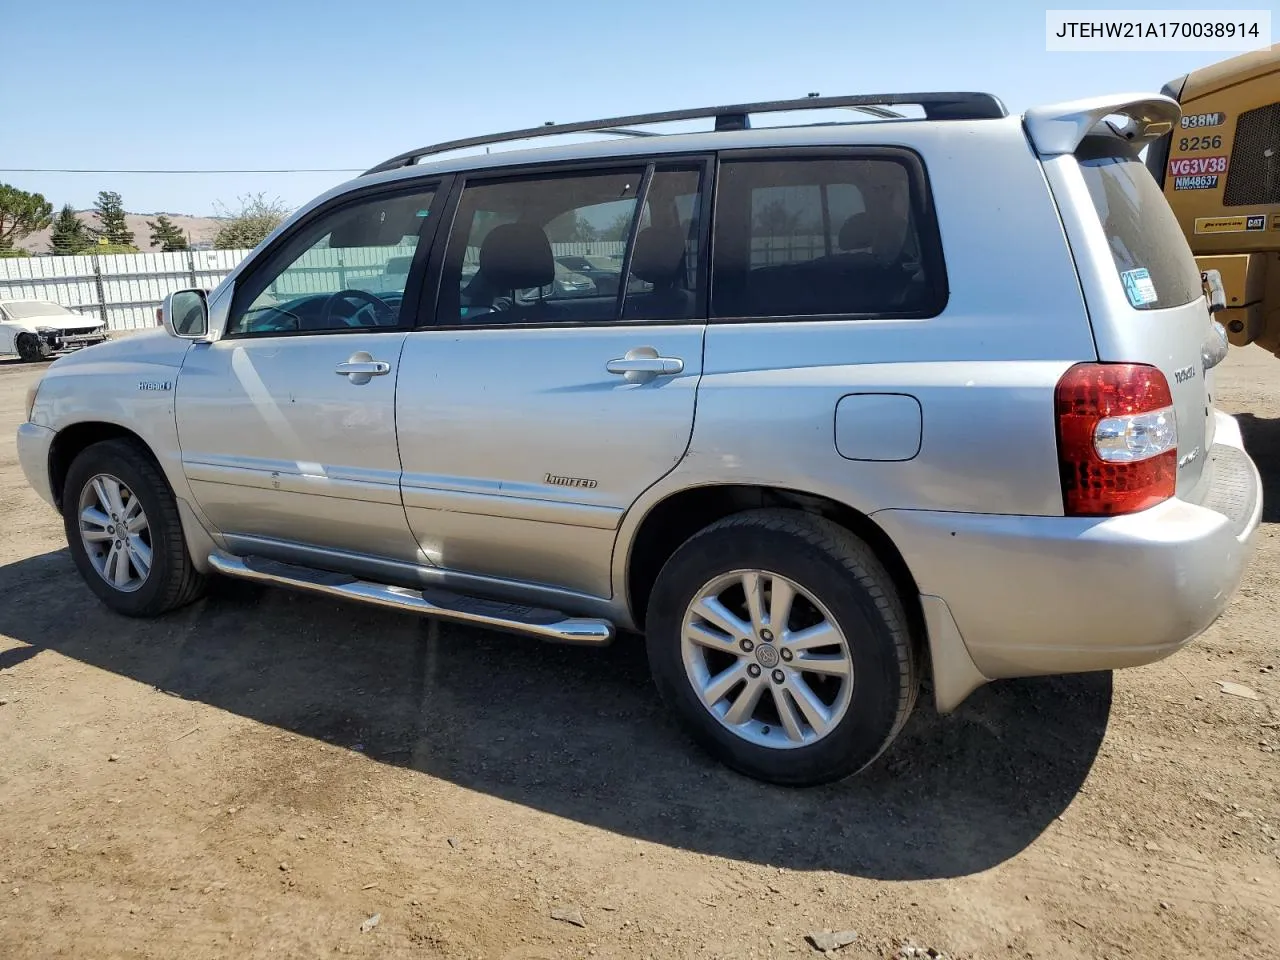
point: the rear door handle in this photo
(643, 364)
(361, 368)
(375, 368)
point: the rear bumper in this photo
(1042, 595)
(33, 455)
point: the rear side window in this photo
(1148, 248)
(503, 266)
(823, 236)
(663, 282)
(577, 248)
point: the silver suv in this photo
(872, 400)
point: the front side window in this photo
(539, 250)
(1149, 250)
(814, 237)
(346, 271)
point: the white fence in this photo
(328, 270)
(124, 289)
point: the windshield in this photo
(35, 308)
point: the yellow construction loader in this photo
(1220, 170)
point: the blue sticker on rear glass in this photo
(1138, 287)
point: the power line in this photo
(81, 170)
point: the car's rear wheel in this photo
(781, 642)
(31, 348)
(124, 532)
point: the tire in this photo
(845, 584)
(170, 580)
(31, 349)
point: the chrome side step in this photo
(430, 602)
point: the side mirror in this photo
(185, 314)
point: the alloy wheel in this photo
(115, 533)
(767, 659)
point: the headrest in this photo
(658, 255)
(516, 256)
(882, 228)
(857, 233)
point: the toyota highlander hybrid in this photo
(928, 393)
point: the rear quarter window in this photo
(825, 236)
(1147, 246)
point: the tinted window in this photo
(663, 282)
(1146, 244)
(345, 271)
(816, 237)
(502, 264)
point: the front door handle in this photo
(643, 364)
(362, 368)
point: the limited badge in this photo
(1138, 286)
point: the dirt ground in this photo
(262, 773)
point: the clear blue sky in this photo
(313, 83)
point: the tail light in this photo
(1117, 438)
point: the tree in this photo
(103, 248)
(21, 214)
(70, 234)
(111, 221)
(777, 219)
(571, 228)
(249, 226)
(166, 235)
(618, 228)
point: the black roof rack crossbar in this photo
(937, 106)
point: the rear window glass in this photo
(1147, 245)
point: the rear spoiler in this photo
(1060, 127)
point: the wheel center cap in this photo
(767, 655)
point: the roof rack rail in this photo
(937, 106)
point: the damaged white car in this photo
(39, 329)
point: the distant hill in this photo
(197, 229)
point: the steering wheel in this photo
(268, 318)
(383, 314)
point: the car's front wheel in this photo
(124, 532)
(781, 642)
(31, 348)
